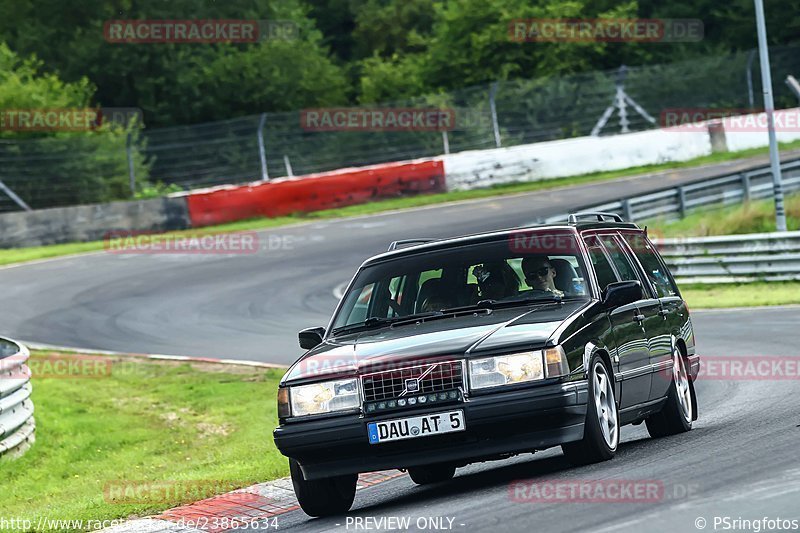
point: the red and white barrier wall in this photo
(314, 192)
(470, 170)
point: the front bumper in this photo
(499, 423)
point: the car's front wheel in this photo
(677, 414)
(601, 429)
(425, 475)
(323, 497)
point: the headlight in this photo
(505, 370)
(517, 368)
(324, 397)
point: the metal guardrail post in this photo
(745, 186)
(626, 209)
(682, 202)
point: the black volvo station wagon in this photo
(448, 352)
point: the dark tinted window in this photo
(619, 258)
(605, 274)
(656, 273)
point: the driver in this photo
(540, 274)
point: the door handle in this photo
(664, 313)
(638, 318)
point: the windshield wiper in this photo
(496, 304)
(369, 323)
(375, 321)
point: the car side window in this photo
(619, 258)
(653, 268)
(603, 269)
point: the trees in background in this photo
(347, 51)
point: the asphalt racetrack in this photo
(250, 306)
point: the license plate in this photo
(415, 426)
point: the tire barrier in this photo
(17, 425)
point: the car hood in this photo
(444, 338)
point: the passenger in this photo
(496, 280)
(434, 302)
(540, 274)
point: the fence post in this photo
(682, 202)
(11, 194)
(131, 171)
(261, 151)
(745, 186)
(750, 57)
(288, 165)
(493, 109)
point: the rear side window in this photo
(653, 268)
(619, 258)
(605, 273)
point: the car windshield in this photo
(526, 268)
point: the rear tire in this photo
(437, 473)
(677, 414)
(601, 429)
(323, 497)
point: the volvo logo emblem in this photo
(412, 385)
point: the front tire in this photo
(677, 414)
(323, 497)
(601, 429)
(437, 473)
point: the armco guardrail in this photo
(733, 258)
(17, 425)
(676, 202)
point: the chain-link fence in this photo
(58, 171)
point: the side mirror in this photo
(311, 337)
(621, 293)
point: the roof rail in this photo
(599, 215)
(395, 244)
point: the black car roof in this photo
(491, 236)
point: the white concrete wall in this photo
(571, 157)
(787, 129)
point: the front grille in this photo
(432, 377)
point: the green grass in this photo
(741, 295)
(10, 256)
(751, 217)
(145, 422)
